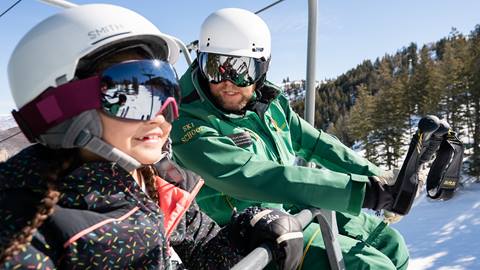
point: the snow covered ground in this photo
(444, 235)
(7, 121)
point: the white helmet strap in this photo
(84, 131)
(108, 152)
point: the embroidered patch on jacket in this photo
(190, 131)
(241, 139)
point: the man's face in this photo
(231, 97)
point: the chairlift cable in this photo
(269, 6)
(8, 9)
(9, 137)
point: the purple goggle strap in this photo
(57, 105)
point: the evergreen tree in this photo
(409, 63)
(453, 79)
(474, 98)
(426, 85)
(361, 122)
(389, 114)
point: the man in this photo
(239, 133)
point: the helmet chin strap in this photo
(108, 152)
(84, 131)
(92, 142)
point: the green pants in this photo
(366, 243)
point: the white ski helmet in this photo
(50, 54)
(236, 32)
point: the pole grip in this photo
(262, 256)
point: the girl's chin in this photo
(148, 156)
(149, 160)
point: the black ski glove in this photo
(377, 195)
(281, 231)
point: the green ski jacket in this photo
(251, 157)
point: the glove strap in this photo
(259, 216)
(288, 236)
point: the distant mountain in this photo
(295, 90)
(12, 139)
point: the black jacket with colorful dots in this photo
(104, 220)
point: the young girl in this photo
(99, 190)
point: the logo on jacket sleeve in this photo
(190, 130)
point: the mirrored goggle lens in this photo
(242, 71)
(140, 89)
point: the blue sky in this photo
(349, 31)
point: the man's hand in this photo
(378, 195)
(281, 231)
(391, 217)
(389, 177)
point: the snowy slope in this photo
(444, 235)
(7, 121)
(11, 139)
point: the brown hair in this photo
(148, 173)
(60, 166)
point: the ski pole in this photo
(261, 256)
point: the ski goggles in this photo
(133, 90)
(240, 70)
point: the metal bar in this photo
(311, 60)
(328, 226)
(261, 256)
(59, 3)
(257, 259)
(326, 219)
(184, 49)
(193, 46)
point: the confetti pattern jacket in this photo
(104, 220)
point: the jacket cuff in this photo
(358, 192)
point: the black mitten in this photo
(377, 195)
(280, 230)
